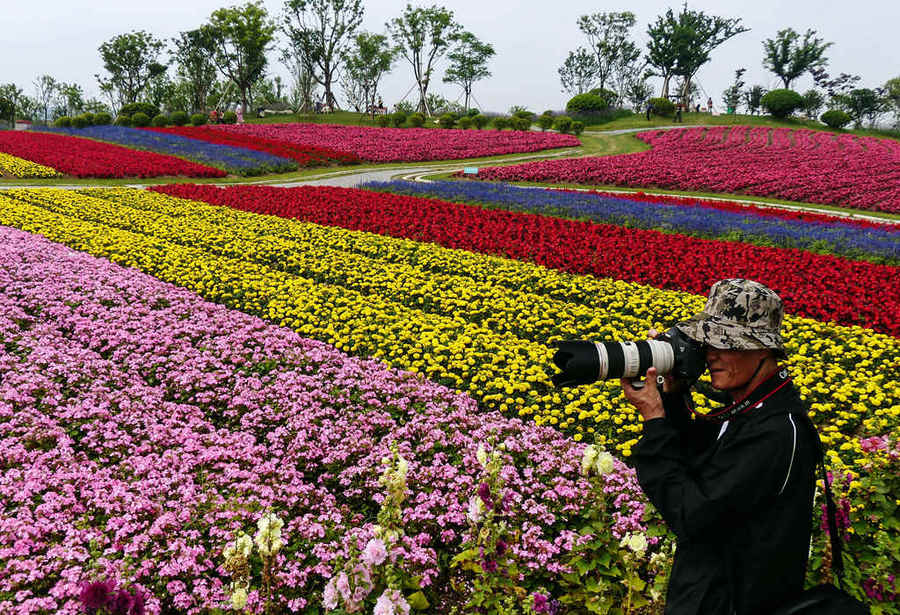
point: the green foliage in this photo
(520, 111)
(753, 98)
(835, 118)
(789, 57)
(481, 121)
(812, 102)
(465, 122)
(545, 121)
(606, 94)
(229, 117)
(122, 120)
(586, 103)
(416, 120)
(782, 103)
(131, 61)
(140, 119)
(160, 120)
(578, 72)
(63, 121)
(102, 118)
(198, 119)
(398, 119)
(609, 39)
(501, 122)
(472, 112)
(577, 127)
(193, 57)
(468, 62)
(447, 120)
(563, 123)
(383, 120)
(662, 106)
(89, 118)
(147, 109)
(83, 120)
(405, 106)
(366, 61)
(179, 118)
(865, 103)
(518, 122)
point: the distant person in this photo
(213, 117)
(709, 104)
(678, 114)
(650, 110)
(240, 115)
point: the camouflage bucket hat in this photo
(739, 315)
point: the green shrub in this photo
(404, 106)
(609, 96)
(102, 119)
(577, 127)
(123, 120)
(416, 120)
(465, 122)
(80, 121)
(447, 120)
(520, 123)
(140, 107)
(835, 118)
(398, 119)
(383, 120)
(63, 122)
(525, 113)
(586, 103)
(140, 119)
(179, 118)
(160, 120)
(781, 103)
(472, 112)
(481, 121)
(563, 123)
(198, 119)
(545, 121)
(89, 118)
(229, 117)
(662, 107)
(501, 122)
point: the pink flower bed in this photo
(796, 165)
(139, 422)
(406, 144)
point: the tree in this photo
(14, 94)
(789, 57)
(812, 103)
(753, 98)
(661, 48)
(838, 88)
(608, 36)
(734, 94)
(131, 61)
(866, 103)
(367, 60)
(45, 90)
(578, 72)
(892, 95)
(320, 30)
(423, 36)
(303, 86)
(468, 62)
(637, 91)
(193, 56)
(72, 97)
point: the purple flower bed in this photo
(140, 426)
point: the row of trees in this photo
(226, 60)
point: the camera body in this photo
(584, 362)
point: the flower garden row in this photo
(731, 221)
(796, 165)
(474, 322)
(814, 285)
(13, 166)
(141, 427)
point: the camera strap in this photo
(766, 389)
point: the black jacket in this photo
(739, 503)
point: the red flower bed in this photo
(796, 165)
(405, 144)
(818, 286)
(305, 155)
(86, 158)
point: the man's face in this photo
(732, 369)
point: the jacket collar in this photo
(754, 399)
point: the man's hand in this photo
(647, 399)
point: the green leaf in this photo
(468, 554)
(418, 601)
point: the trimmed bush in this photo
(140, 107)
(609, 96)
(123, 120)
(89, 118)
(781, 103)
(179, 118)
(81, 121)
(563, 124)
(586, 103)
(383, 120)
(545, 121)
(448, 120)
(102, 119)
(501, 122)
(140, 119)
(472, 112)
(229, 117)
(662, 107)
(198, 119)
(520, 123)
(481, 121)
(577, 127)
(524, 113)
(398, 119)
(835, 118)
(63, 121)
(416, 120)
(160, 120)
(465, 122)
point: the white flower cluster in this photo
(268, 536)
(635, 542)
(597, 460)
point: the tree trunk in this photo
(665, 87)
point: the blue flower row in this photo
(236, 160)
(873, 244)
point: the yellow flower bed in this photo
(19, 167)
(470, 321)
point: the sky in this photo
(531, 38)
